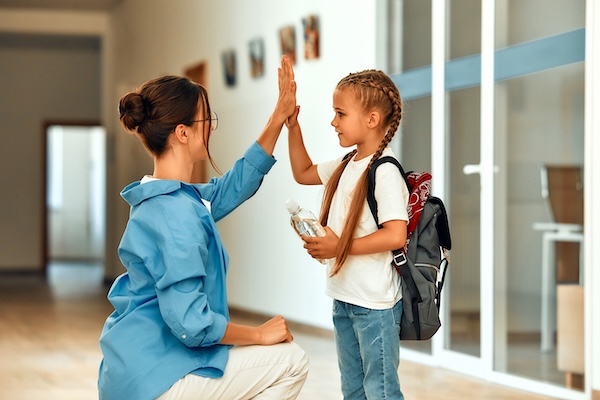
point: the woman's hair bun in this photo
(133, 111)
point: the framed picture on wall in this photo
(229, 67)
(287, 38)
(311, 37)
(256, 48)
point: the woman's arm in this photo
(273, 331)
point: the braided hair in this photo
(374, 90)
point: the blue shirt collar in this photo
(135, 193)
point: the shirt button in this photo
(184, 336)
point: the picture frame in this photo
(228, 58)
(312, 35)
(256, 51)
(287, 40)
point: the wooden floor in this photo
(49, 349)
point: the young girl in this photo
(366, 290)
(170, 336)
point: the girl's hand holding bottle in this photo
(322, 247)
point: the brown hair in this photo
(374, 90)
(154, 110)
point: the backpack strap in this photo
(371, 188)
(347, 155)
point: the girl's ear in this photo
(374, 119)
(181, 133)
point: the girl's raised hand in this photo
(292, 120)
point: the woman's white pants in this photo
(274, 372)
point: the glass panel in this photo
(464, 28)
(416, 134)
(463, 300)
(520, 21)
(415, 130)
(463, 209)
(416, 34)
(540, 124)
(416, 155)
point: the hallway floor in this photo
(49, 349)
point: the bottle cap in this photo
(292, 206)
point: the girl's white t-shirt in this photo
(366, 280)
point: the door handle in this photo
(471, 169)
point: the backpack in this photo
(423, 261)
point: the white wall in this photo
(269, 272)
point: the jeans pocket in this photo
(358, 310)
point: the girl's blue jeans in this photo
(368, 348)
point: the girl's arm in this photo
(303, 169)
(285, 106)
(273, 331)
(390, 237)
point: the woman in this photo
(170, 336)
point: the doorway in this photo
(75, 193)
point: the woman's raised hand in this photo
(286, 103)
(285, 107)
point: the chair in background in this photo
(562, 189)
(563, 192)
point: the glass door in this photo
(413, 19)
(463, 189)
(504, 94)
(539, 149)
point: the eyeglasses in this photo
(214, 120)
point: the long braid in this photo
(374, 90)
(331, 187)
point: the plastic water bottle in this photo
(304, 222)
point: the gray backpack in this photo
(423, 262)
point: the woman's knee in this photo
(300, 359)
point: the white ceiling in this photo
(78, 5)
